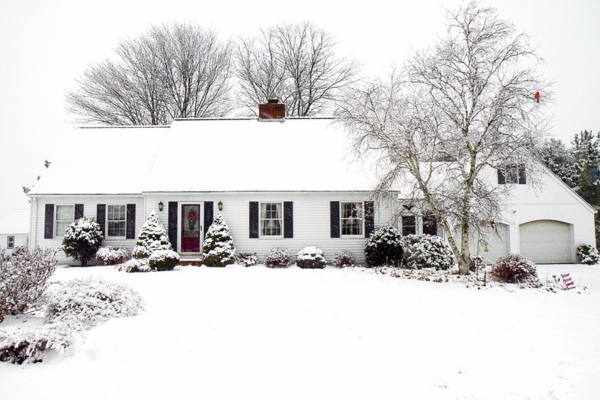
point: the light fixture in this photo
(160, 206)
(220, 206)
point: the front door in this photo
(190, 228)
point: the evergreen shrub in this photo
(163, 260)
(134, 265)
(82, 240)
(218, 250)
(587, 254)
(427, 251)
(153, 237)
(247, 259)
(514, 269)
(344, 259)
(384, 247)
(310, 257)
(278, 257)
(112, 255)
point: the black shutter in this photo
(288, 219)
(334, 218)
(173, 208)
(49, 222)
(501, 177)
(253, 220)
(209, 210)
(130, 221)
(78, 211)
(522, 175)
(101, 217)
(369, 218)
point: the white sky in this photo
(46, 45)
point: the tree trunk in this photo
(464, 260)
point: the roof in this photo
(15, 222)
(207, 155)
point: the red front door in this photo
(190, 228)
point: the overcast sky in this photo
(46, 44)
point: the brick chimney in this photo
(273, 110)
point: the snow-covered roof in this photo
(15, 222)
(207, 155)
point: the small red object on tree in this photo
(537, 96)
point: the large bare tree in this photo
(456, 113)
(172, 71)
(295, 63)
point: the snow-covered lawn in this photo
(259, 333)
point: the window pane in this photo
(429, 225)
(116, 228)
(352, 218)
(408, 225)
(65, 213)
(61, 227)
(271, 219)
(10, 242)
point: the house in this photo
(14, 229)
(278, 182)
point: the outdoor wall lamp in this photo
(160, 206)
(220, 205)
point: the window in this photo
(65, 215)
(429, 225)
(512, 174)
(10, 242)
(116, 218)
(352, 219)
(409, 226)
(271, 219)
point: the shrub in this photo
(24, 280)
(163, 260)
(83, 303)
(587, 254)
(310, 257)
(218, 250)
(82, 240)
(134, 265)
(384, 246)
(112, 255)
(278, 257)
(514, 269)
(475, 261)
(427, 251)
(153, 237)
(30, 346)
(246, 259)
(344, 258)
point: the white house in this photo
(277, 182)
(14, 229)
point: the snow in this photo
(235, 332)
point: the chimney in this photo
(273, 110)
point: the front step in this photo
(190, 261)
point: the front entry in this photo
(190, 228)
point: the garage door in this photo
(546, 241)
(497, 244)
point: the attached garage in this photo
(497, 243)
(546, 241)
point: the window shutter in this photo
(101, 217)
(130, 221)
(369, 218)
(288, 219)
(49, 222)
(253, 220)
(522, 175)
(501, 177)
(78, 211)
(173, 208)
(209, 209)
(334, 218)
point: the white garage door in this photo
(497, 244)
(547, 242)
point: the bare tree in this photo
(442, 127)
(295, 63)
(173, 71)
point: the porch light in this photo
(220, 205)
(485, 249)
(160, 206)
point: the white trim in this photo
(106, 220)
(260, 219)
(362, 218)
(56, 217)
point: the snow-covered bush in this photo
(31, 345)
(514, 269)
(163, 260)
(82, 240)
(427, 251)
(475, 261)
(246, 259)
(384, 246)
(24, 280)
(134, 265)
(587, 254)
(112, 255)
(153, 237)
(218, 250)
(344, 259)
(83, 303)
(278, 257)
(310, 257)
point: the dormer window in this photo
(512, 174)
